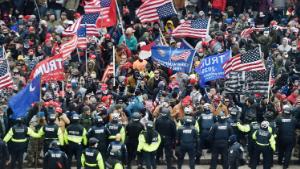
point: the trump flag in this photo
(177, 59)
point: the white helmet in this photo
(206, 106)
(264, 124)
(286, 109)
(188, 110)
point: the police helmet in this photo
(268, 115)
(187, 120)
(93, 141)
(115, 117)
(206, 106)
(75, 117)
(232, 139)
(251, 116)
(99, 119)
(188, 110)
(234, 111)
(52, 117)
(165, 111)
(19, 120)
(136, 116)
(54, 144)
(264, 124)
(286, 109)
(149, 124)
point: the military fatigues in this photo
(55, 158)
(286, 138)
(133, 129)
(167, 130)
(91, 159)
(101, 133)
(219, 135)
(74, 136)
(264, 143)
(18, 136)
(187, 137)
(117, 154)
(149, 149)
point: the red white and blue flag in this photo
(71, 30)
(82, 40)
(154, 10)
(192, 28)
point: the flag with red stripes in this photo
(71, 30)
(68, 47)
(82, 39)
(5, 76)
(249, 61)
(106, 10)
(109, 71)
(192, 28)
(154, 10)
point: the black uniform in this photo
(187, 140)
(55, 159)
(286, 138)
(219, 135)
(114, 128)
(50, 133)
(205, 121)
(133, 129)
(167, 130)
(91, 159)
(4, 156)
(101, 133)
(116, 153)
(235, 155)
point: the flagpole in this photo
(78, 55)
(260, 54)
(120, 19)
(269, 84)
(163, 37)
(114, 66)
(86, 62)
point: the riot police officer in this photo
(219, 135)
(133, 129)
(205, 121)
(116, 153)
(91, 158)
(18, 137)
(264, 143)
(235, 155)
(51, 132)
(100, 132)
(148, 143)
(187, 139)
(249, 128)
(75, 135)
(233, 119)
(55, 158)
(188, 113)
(286, 136)
(4, 156)
(114, 128)
(166, 127)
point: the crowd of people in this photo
(146, 114)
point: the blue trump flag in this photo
(179, 60)
(211, 67)
(20, 102)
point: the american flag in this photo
(234, 82)
(108, 72)
(192, 28)
(68, 47)
(71, 30)
(90, 21)
(257, 82)
(249, 61)
(5, 76)
(247, 32)
(82, 40)
(154, 10)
